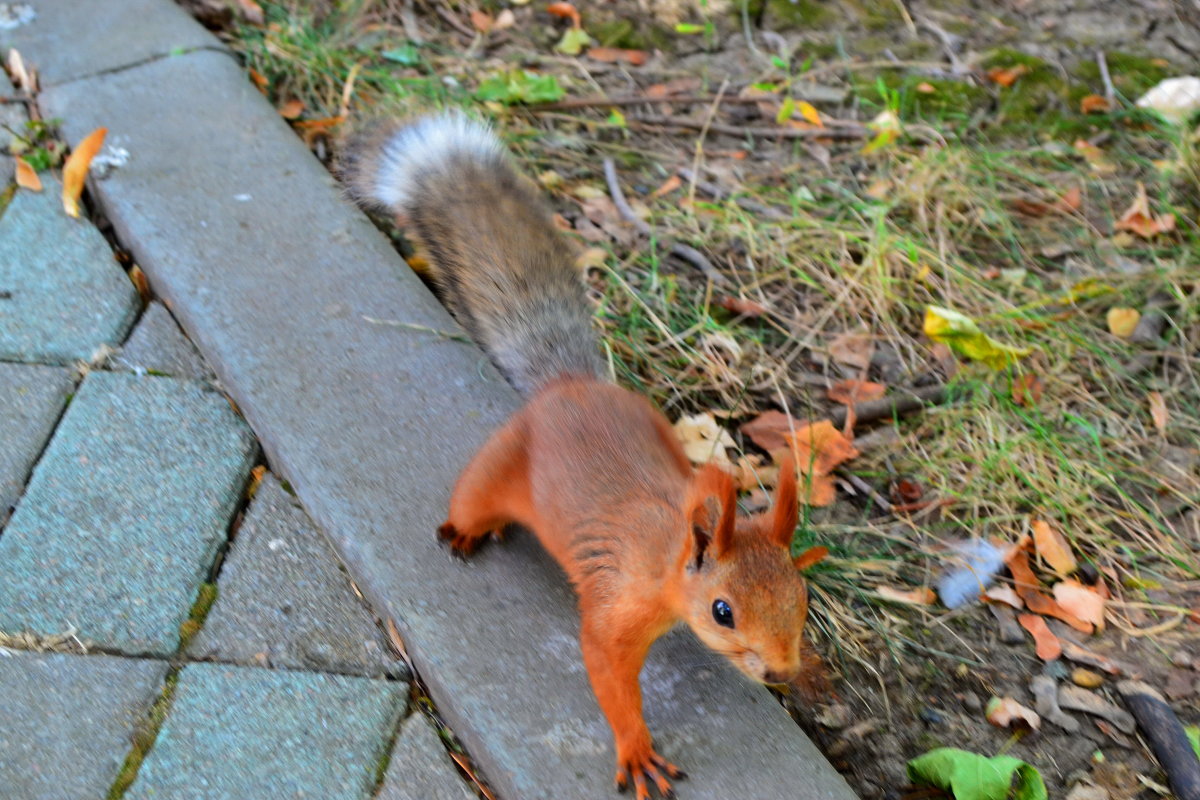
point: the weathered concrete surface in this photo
(61, 43)
(31, 400)
(372, 423)
(124, 514)
(240, 733)
(67, 721)
(64, 295)
(157, 345)
(285, 600)
(420, 769)
(12, 118)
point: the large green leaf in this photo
(970, 776)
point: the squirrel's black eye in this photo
(722, 613)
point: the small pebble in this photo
(932, 717)
(1086, 678)
(971, 702)
(1182, 659)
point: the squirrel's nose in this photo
(777, 676)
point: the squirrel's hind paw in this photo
(461, 544)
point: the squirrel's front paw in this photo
(647, 765)
(460, 544)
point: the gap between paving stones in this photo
(371, 425)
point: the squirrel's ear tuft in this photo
(787, 510)
(711, 508)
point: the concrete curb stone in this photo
(371, 423)
(157, 344)
(67, 721)
(236, 733)
(65, 296)
(420, 768)
(285, 600)
(31, 400)
(63, 44)
(124, 513)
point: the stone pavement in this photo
(207, 647)
(247, 241)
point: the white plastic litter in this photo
(1177, 99)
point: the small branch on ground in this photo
(1110, 93)
(815, 92)
(683, 251)
(1166, 736)
(717, 193)
(905, 401)
(847, 130)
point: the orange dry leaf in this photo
(922, 596)
(1053, 548)
(1081, 601)
(611, 55)
(27, 177)
(140, 282)
(851, 391)
(1004, 593)
(1048, 646)
(817, 449)
(809, 113)
(291, 109)
(669, 185)
(1006, 76)
(1158, 411)
(926, 88)
(1004, 713)
(1027, 390)
(259, 80)
(740, 305)
(565, 11)
(1026, 585)
(1094, 104)
(768, 429)
(482, 21)
(1122, 321)
(1138, 219)
(76, 169)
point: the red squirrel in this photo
(593, 470)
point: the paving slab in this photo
(31, 400)
(371, 423)
(284, 599)
(62, 295)
(420, 769)
(12, 117)
(241, 733)
(124, 513)
(158, 345)
(63, 44)
(68, 721)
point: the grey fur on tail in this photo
(503, 269)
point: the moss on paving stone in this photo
(144, 736)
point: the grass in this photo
(866, 243)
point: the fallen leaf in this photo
(22, 78)
(703, 439)
(610, 55)
(1005, 712)
(291, 109)
(482, 21)
(926, 88)
(1076, 698)
(1071, 200)
(259, 80)
(905, 491)
(1053, 547)
(1027, 390)
(1004, 593)
(1094, 104)
(1026, 585)
(505, 19)
(1086, 678)
(76, 169)
(851, 391)
(1084, 656)
(1138, 219)
(1095, 157)
(768, 429)
(1081, 601)
(964, 337)
(27, 177)
(1048, 646)
(970, 776)
(142, 284)
(809, 113)
(921, 596)
(565, 11)
(1122, 321)
(853, 348)
(1007, 76)
(1177, 99)
(750, 473)
(887, 127)
(669, 185)
(1158, 411)
(816, 450)
(740, 305)
(251, 11)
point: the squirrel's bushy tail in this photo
(503, 269)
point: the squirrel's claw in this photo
(462, 546)
(651, 766)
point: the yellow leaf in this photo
(960, 333)
(27, 177)
(76, 169)
(704, 440)
(1122, 321)
(809, 113)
